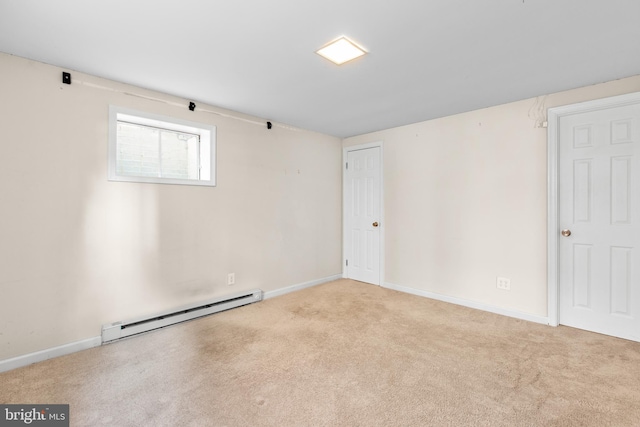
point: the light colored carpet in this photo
(345, 354)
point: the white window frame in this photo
(207, 134)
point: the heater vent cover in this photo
(118, 330)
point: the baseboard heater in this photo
(118, 330)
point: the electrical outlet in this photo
(231, 279)
(503, 283)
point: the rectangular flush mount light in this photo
(341, 50)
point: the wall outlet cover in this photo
(503, 283)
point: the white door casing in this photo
(594, 192)
(363, 221)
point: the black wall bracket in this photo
(269, 125)
(192, 106)
(66, 78)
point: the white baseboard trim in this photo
(292, 288)
(471, 304)
(50, 353)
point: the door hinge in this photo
(347, 263)
(347, 165)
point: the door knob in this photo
(566, 233)
(375, 224)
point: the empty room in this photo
(336, 213)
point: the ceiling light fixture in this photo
(341, 50)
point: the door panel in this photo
(599, 193)
(362, 250)
(582, 276)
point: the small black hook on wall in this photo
(192, 106)
(269, 125)
(66, 78)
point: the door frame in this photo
(381, 228)
(553, 203)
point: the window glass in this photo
(144, 148)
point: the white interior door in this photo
(599, 205)
(363, 221)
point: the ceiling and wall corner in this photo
(426, 59)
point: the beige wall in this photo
(77, 251)
(466, 200)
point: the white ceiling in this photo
(428, 58)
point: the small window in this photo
(148, 148)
